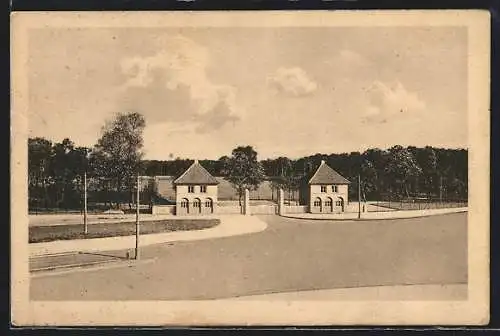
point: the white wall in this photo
(294, 209)
(182, 192)
(229, 210)
(263, 209)
(315, 191)
(163, 210)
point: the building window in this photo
(203, 189)
(196, 203)
(338, 203)
(323, 188)
(208, 204)
(317, 202)
(334, 188)
(184, 203)
(328, 203)
(190, 189)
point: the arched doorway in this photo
(184, 206)
(328, 204)
(196, 205)
(317, 205)
(209, 205)
(339, 204)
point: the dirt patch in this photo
(41, 234)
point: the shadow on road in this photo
(109, 255)
(76, 259)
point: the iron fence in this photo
(415, 204)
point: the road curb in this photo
(223, 229)
(371, 219)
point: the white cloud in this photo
(157, 83)
(387, 102)
(352, 58)
(181, 139)
(292, 81)
(348, 62)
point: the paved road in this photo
(290, 255)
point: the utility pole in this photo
(359, 196)
(137, 220)
(85, 224)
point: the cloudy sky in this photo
(285, 91)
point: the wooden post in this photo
(85, 224)
(137, 229)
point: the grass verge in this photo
(40, 234)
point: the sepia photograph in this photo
(250, 168)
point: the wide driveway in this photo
(290, 255)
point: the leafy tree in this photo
(59, 169)
(402, 167)
(244, 170)
(224, 165)
(55, 169)
(427, 160)
(39, 158)
(118, 153)
(283, 173)
(153, 167)
(369, 179)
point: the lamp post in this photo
(85, 224)
(85, 195)
(137, 229)
(359, 196)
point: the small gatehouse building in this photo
(328, 191)
(196, 191)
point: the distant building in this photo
(195, 191)
(165, 189)
(327, 191)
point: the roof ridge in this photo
(204, 169)
(317, 170)
(183, 174)
(195, 170)
(328, 173)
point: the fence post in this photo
(246, 203)
(281, 201)
(137, 227)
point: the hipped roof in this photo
(196, 174)
(326, 175)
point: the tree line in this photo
(56, 170)
(397, 172)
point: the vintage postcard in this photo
(250, 168)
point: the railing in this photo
(414, 204)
